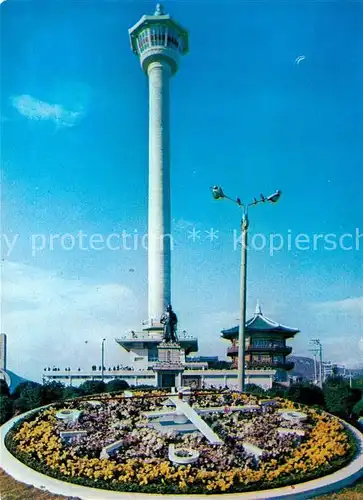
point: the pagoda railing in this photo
(251, 348)
(271, 348)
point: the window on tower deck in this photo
(148, 38)
(173, 40)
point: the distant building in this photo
(12, 379)
(327, 369)
(2, 351)
(330, 369)
(202, 359)
(265, 345)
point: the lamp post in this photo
(218, 193)
(102, 357)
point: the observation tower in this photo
(159, 42)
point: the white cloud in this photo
(35, 109)
(48, 318)
(339, 325)
(182, 225)
(352, 305)
(344, 316)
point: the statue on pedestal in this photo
(169, 320)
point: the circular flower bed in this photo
(112, 445)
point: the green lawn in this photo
(13, 490)
(353, 493)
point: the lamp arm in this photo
(256, 202)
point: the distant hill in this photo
(304, 367)
(12, 379)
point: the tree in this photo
(255, 389)
(4, 389)
(353, 398)
(51, 392)
(358, 409)
(277, 391)
(306, 393)
(71, 392)
(30, 394)
(92, 387)
(6, 408)
(20, 405)
(20, 387)
(357, 383)
(117, 385)
(339, 397)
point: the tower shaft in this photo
(159, 230)
(159, 41)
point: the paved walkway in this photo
(14, 490)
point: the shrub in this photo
(51, 392)
(117, 385)
(254, 389)
(304, 393)
(6, 408)
(4, 389)
(71, 392)
(27, 396)
(92, 387)
(339, 397)
(358, 409)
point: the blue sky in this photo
(244, 115)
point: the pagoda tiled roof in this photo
(260, 324)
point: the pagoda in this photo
(265, 345)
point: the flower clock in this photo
(153, 442)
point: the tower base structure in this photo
(147, 348)
(169, 367)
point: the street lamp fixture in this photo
(273, 198)
(218, 193)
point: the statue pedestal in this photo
(169, 366)
(169, 352)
